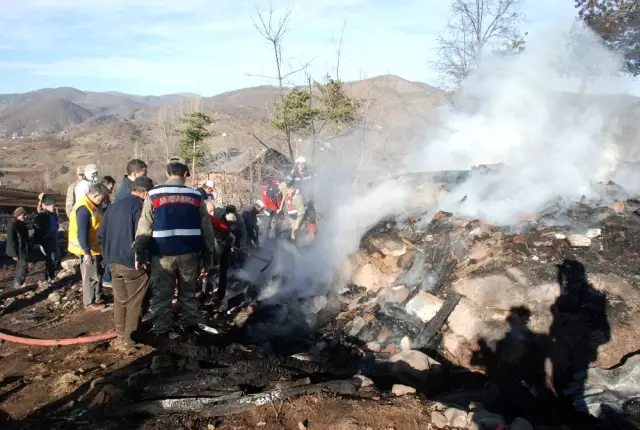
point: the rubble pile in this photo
(531, 321)
(544, 300)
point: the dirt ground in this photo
(34, 379)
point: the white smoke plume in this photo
(346, 217)
(549, 114)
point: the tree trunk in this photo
(193, 163)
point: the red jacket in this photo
(218, 224)
(270, 196)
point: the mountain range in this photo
(44, 134)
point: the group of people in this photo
(164, 236)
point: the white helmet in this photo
(259, 204)
(301, 159)
(90, 171)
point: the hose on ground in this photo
(57, 342)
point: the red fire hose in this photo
(58, 342)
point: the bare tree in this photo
(476, 25)
(164, 130)
(273, 31)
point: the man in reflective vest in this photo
(175, 236)
(84, 222)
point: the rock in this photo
(457, 417)
(364, 381)
(441, 215)
(402, 390)
(520, 424)
(593, 233)
(393, 248)
(367, 276)
(578, 241)
(70, 265)
(395, 294)
(439, 420)
(623, 315)
(405, 343)
(66, 384)
(374, 346)
(106, 394)
(357, 325)
(486, 420)
(617, 207)
(161, 363)
(54, 298)
(424, 306)
(412, 367)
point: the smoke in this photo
(549, 114)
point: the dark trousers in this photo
(22, 266)
(106, 278)
(129, 291)
(50, 249)
(22, 269)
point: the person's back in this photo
(118, 230)
(117, 233)
(173, 233)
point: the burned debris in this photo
(457, 310)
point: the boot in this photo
(312, 230)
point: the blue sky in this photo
(210, 46)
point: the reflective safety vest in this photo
(177, 224)
(96, 218)
(292, 211)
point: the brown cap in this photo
(19, 211)
(80, 170)
(179, 160)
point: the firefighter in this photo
(175, 236)
(301, 179)
(293, 205)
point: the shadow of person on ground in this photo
(580, 326)
(534, 371)
(516, 365)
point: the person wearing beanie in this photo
(71, 191)
(116, 234)
(46, 226)
(18, 245)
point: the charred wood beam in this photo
(423, 340)
(235, 402)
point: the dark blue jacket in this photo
(118, 230)
(176, 220)
(125, 188)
